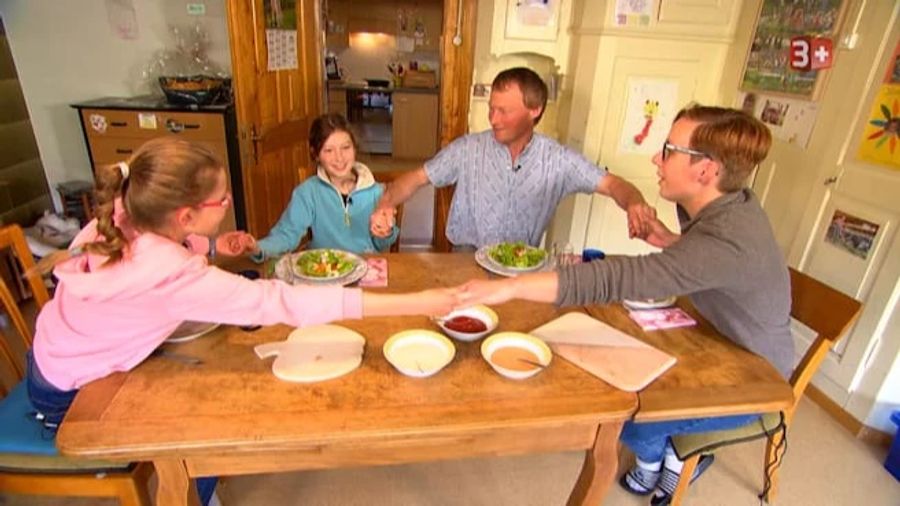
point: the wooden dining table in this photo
(231, 416)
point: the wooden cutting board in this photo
(317, 353)
(623, 361)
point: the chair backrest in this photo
(825, 310)
(12, 238)
(386, 176)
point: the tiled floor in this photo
(374, 132)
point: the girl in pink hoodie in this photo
(139, 270)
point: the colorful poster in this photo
(880, 136)
(852, 234)
(649, 111)
(767, 68)
(280, 14)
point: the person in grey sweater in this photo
(725, 260)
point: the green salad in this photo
(324, 263)
(517, 255)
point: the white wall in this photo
(67, 52)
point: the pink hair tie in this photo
(123, 168)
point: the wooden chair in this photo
(830, 314)
(29, 461)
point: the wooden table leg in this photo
(599, 470)
(175, 488)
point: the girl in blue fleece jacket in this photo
(336, 203)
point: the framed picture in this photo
(767, 68)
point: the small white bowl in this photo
(480, 312)
(516, 340)
(418, 353)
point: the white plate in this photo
(188, 331)
(484, 260)
(638, 305)
(418, 353)
(479, 312)
(284, 270)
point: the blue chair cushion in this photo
(20, 432)
(26, 447)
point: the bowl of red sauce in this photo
(469, 324)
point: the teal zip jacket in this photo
(317, 204)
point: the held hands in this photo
(660, 236)
(480, 291)
(381, 223)
(439, 301)
(640, 220)
(235, 243)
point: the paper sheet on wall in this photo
(406, 44)
(633, 12)
(122, 18)
(282, 47)
(788, 119)
(649, 111)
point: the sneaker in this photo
(639, 481)
(669, 480)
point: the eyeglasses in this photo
(223, 202)
(668, 147)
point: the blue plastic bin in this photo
(892, 463)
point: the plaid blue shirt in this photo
(495, 201)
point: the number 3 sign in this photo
(811, 53)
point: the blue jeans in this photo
(54, 403)
(48, 400)
(648, 440)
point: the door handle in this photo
(830, 181)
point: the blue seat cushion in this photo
(20, 432)
(26, 447)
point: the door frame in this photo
(457, 66)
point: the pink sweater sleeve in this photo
(204, 293)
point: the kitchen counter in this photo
(361, 86)
(147, 102)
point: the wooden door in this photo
(274, 108)
(848, 236)
(415, 122)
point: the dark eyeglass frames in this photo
(668, 147)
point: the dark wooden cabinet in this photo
(114, 128)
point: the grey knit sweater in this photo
(726, 261)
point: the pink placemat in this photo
(376, 274)
(664, 318)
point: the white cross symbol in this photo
(821, 53)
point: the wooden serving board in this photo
(621, 360)
(317, 353)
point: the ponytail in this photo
(162, 175)
(110, 185)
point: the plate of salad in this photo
(321, 266)
(511, 258)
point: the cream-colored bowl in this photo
(479, 312)
(418, 353)
(516, 340)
